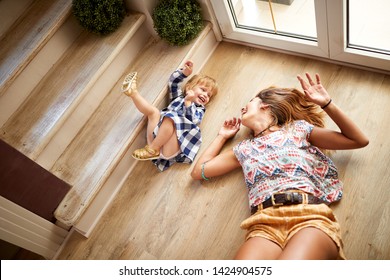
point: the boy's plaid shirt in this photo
(186, 120)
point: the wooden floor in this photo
(170, 216)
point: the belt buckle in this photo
(273, 201)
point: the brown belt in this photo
(287, 198)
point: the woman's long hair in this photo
(289, 104)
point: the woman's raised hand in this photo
(314, 92)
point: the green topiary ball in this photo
(178, 21)
(99, 16)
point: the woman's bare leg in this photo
(310, 244)
(258, 248)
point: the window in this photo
(276, 18)
(356, 32)
(368, 25)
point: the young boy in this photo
(173, 134)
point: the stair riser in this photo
(58, 93)
(22, 86)
(93, 98)
(199, 54)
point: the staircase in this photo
(60, 100)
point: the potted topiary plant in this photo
(99, 16)
(177, 21)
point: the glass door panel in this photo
(292, 18)
(357, 34)
(292, 25)
(369, 25)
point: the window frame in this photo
(331, 26)
(341, 51)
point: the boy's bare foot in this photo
(129, 84)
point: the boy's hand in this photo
(188, 67)
(190, 95)
(189, 98)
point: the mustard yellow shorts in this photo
(279, 224)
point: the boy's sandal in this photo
(127, 83)
(146, 153)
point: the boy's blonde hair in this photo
(203, 80)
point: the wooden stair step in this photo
(27, 35)
(103, 141)
(33, 124)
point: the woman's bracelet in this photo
(323, 107)
(203, 176)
